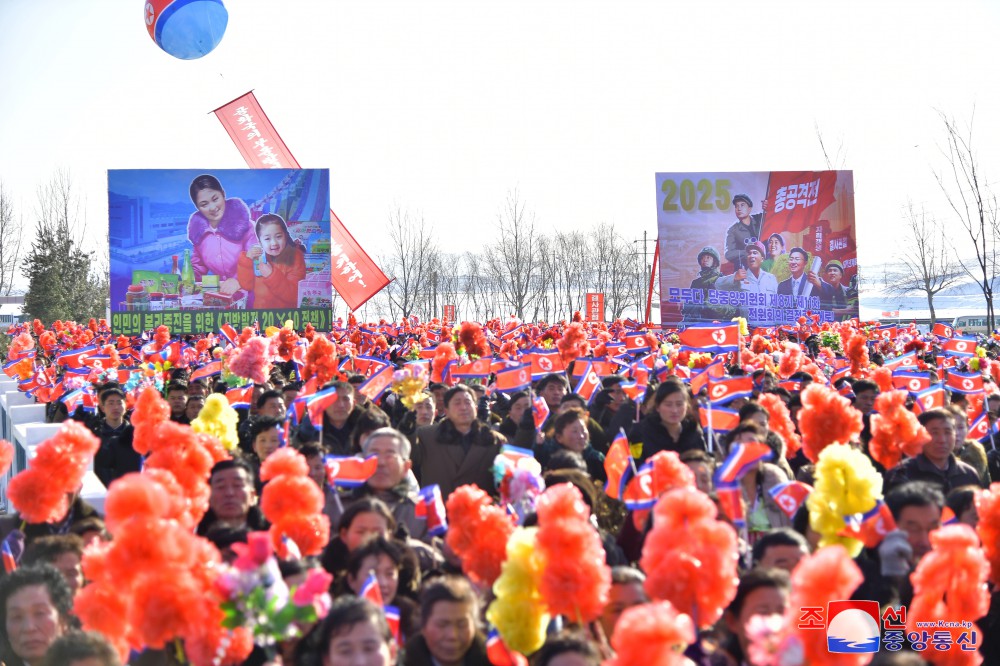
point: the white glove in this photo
(895, 554)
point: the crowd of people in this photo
(654, 407)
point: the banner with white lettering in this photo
(193, 249)
(767, 246)
(355, 276)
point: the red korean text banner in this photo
(449, 313)
(768, 246)
(354, 274)
(595, 307)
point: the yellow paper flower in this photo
(519, 612)
(743, 325)
(218, 419)
(846, 484)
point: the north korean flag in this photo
(18, 356)
(614, 349)
(959, 346)
(74, 359)
(392, 619)
(229, 333)
(719, 419)
(9, 369)
(430, 507)
(725, 390)
(943, 330)
(911, 381)
(636, 342)
(81, 398)
(716, 368)
(11, 550)
(588, 386)
(515, 454)
(633, 389)
(840, 372)
(979, 428)
(543, 362)
(638, 493)
(887, 331)
(870, 527)
(539, 411)
(930, 398)
(711, 338)
(948, 517)
(371, 591)
(478, 369)
(349, 471)
(210, 369)
(904, 361)
(514, 379)
(239, 397)
(790, 385)
(731, 500)
(964, 382)
(428, 352)
(790, 495)
(499, 654)
(616, 464)
(377, 384)
(363, 365)
(742, 457)
(602, 366)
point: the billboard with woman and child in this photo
(768, 246)
(195, 248)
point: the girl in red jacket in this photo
(275, 284)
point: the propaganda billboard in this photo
(196, 248)
(768, 246)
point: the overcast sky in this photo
(443, 107)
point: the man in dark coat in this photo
(459, 449)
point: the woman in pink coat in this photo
(220, 230)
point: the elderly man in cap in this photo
(754, 280)
(745, 229)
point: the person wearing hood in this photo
(220, 230)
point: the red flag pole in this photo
(652, 280)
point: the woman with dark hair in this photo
(219, 231)
(273, 269)
(570, 434)
(669, 426)
(354, 633)
(35, 610)
(519, 403)
(363, 520)
(397, 572)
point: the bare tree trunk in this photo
(976, 207)
(11, 231)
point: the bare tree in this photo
(926, 263)
(839, 159)
(11, 230)
(967, 193)
(512, 261)
(410, 263)
(613, 268)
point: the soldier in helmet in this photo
(708, 263)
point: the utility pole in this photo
(643, 277)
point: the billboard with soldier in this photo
(767, 246)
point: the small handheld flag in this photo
(349, 471)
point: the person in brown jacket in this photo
(458, 449)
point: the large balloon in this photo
(186, 29)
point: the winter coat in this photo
(217, 251)
(446, 457)
(280, 289)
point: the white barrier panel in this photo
(8, 400)
(28, 436)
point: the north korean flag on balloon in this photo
(797, 199)
(964, 382)
(710, 338)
